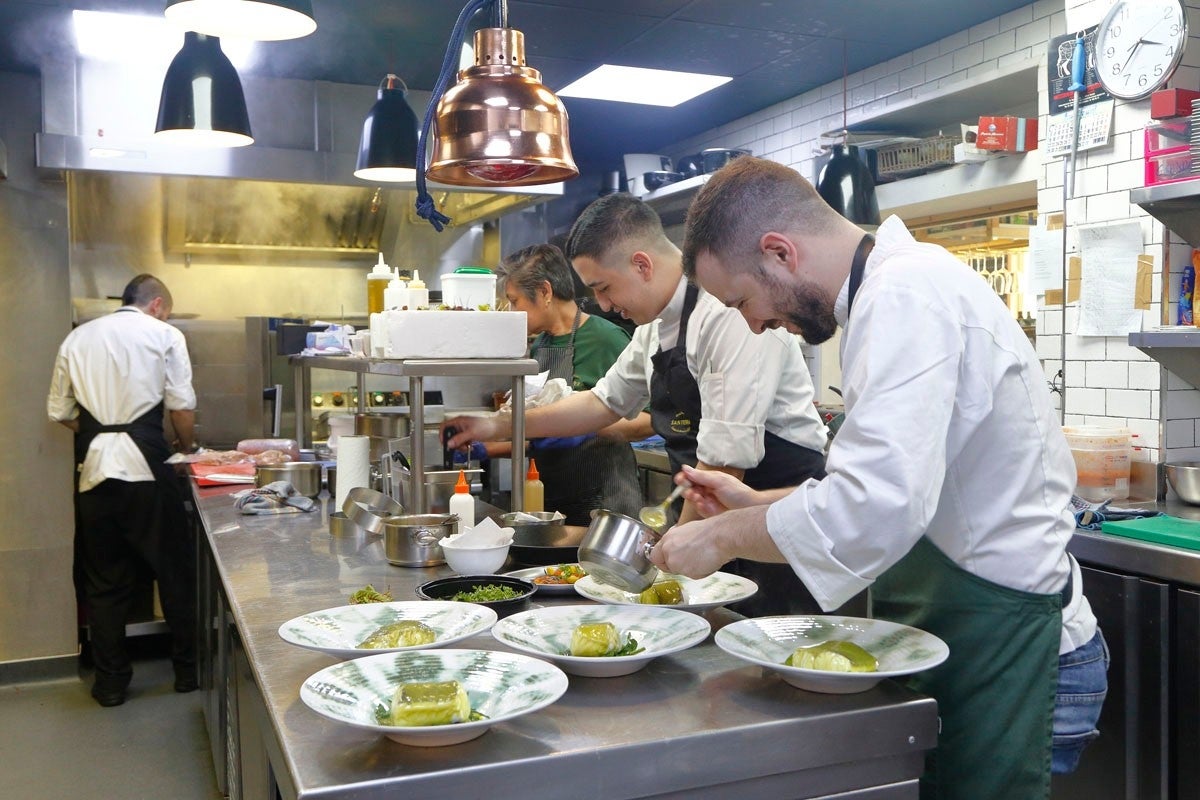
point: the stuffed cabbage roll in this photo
(834, 656)
(435, 703)
(594, 639)
(405, 633)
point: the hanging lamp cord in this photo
(426, 208)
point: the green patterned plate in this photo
(768, 641)
(502, 686)
(337, 631)
(699, 594)
(546, 633)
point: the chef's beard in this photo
(806, 308)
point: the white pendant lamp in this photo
(264, 20)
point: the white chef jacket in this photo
(949, 433)
(748, 383)
(119, 367)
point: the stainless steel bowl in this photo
(305, 476)
(615, 550)
(414, 540)
(1184, 478)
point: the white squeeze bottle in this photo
(462, 503)
(395, 296)
(377, 281)
(418, 295)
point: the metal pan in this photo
(542, 545)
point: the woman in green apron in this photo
(582, 472)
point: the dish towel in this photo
(279, 497)
(1090, 516)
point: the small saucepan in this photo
(616, 550)
(415, 540)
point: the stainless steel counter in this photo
(1133, 556)
(698, 724)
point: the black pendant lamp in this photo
(387, 151)
(846, 184)
(202, 102)
(845, 181)
(264, 20)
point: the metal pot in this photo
(616, 550)
(380, 428)
(305, 476)
(546, 541)
(414, 540)
(714, 158)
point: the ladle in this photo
(656, 516)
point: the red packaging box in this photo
(1008, 134)
(1168, 103)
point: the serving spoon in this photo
(656, 516)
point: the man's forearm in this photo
(577, 414)
(184, 423)
(628, 430)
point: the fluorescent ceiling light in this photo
(132, 38)
(653, 87)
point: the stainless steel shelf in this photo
(1176, 205)
(416, 370)
(1178, 351)
(671, 202)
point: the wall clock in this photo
(1138, 46)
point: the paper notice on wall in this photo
(1045, 258)
(1109, 279)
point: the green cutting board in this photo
(1160, 530)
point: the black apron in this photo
(995, 692)
(599, 473)
(164, 544)
(675, 416)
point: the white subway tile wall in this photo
(1108, 382)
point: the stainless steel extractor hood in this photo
(293, 191)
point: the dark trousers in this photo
(125, 530)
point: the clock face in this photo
(1138, 45)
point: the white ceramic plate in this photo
(546, 633)
(502, 686)
(544, 588)
(337, 631)
(768, 641)
(699, 594)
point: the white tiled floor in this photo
(57, 743)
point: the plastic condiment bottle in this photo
(535, 490)
(418, 295)
(377, 281)
(462, 503)
(395, 296)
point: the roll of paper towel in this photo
(353, 466)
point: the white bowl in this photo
(768, 641)
(699, 594)
(474, 560)
(502, 686)
(337, 631)
(546, 633)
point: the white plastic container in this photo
(1102, 461)
(469, 290)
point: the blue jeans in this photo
(1082, 685)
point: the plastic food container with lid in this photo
(1102, 457)
(469, 287)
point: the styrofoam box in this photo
(469, 290)
(454, 334)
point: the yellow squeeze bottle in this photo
(535, 490)
(377, 281)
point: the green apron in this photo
(995, 692)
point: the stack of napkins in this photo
(522, 516)
(485, 534)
